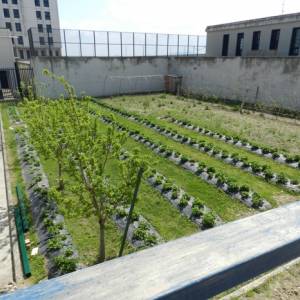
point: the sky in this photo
(165, 16)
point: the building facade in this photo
(20, 15)
(277, 36)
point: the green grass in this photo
(84, 230)
(266, 190)
(37, 263)
(266, 130)
(227, 208)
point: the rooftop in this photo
(257, 22)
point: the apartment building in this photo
(20, 15)
(277, 36)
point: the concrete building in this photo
(20, 15)
(272, 36)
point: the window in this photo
(225, 45)
(8, 26)
(57, 53)
(40, 28)
(14, 1)
(275, 35)
(4, 1)
(16, 13)
(38, 15)
(28, 54)
(21, 54)
(256, 40)
(295, 42)
(46, 3)
(37, 2)
(43, 53)
(6, 13)
(20, 40)
(47, 15)
(50, 53)
(18, 27)
(239, 44)
(42, 41)
(50, 41)
(49, 28)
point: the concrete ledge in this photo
(195, 267)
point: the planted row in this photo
(292, 161)
(55, 241)
(141, 233)
(263, 171)
(208, 174)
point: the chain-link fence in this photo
(63, 42)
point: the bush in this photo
(244, 188)
(233, 188)
(208, 220)
(257, 201)
(167, 187)
(183, 160)
(196, 212)
(198, 203)
(54, 244)
(183, 201)
(121, 213)
(174, 195)
(65, 264)
(281, 179)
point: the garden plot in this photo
(144, 231)
(255, 168)
(264, 130)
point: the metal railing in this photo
(65, 42)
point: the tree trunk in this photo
(61, 185)
(102, 241)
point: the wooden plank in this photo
(195, 267)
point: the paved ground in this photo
(6, 269)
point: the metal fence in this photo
(11, 80)
(63, 42)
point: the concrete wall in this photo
(271, 81)
(102, 76)
(284, 23)
(7, 59)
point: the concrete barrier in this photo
(195, 267)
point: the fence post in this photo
(121, 41)
(157, 44)
(188, 45)
(133, 45)
(145, 44)
(197, 45)
(177, 44)
(168, 37)
(80, 43)
(108, 43)
(65, 42)
(95, 49)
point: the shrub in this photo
(167, 187)
(257, 201)
(150, 240)
(183, 160)
(174, 195)
(211, 170)
(121, 213)
(65, 264)
(281, 179)
(183, 201)
(196, 212)
(233, 188)
(208, 220)
(295, 182)
(244, 188)
(198, 203)
(225, 155)
(275, 155)
(269, 175)
(54, 244)
(158, 181)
